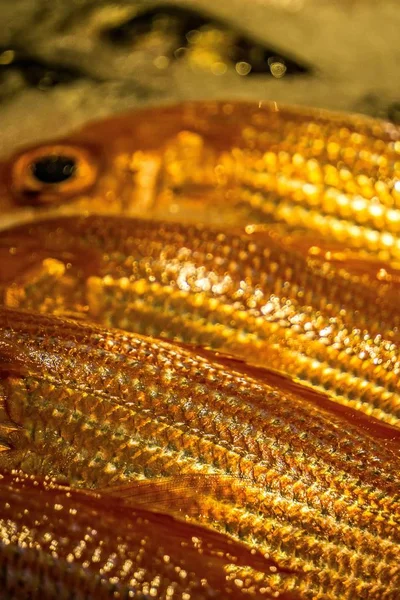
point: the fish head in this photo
(86, 172)
(216, 163)
(162, 163)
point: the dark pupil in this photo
(53, 169)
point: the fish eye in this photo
(49, 174)
(53, 168)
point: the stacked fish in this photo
(199, 358)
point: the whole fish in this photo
(248, 295)
(313, 485)
(64, 544)
(224, 163)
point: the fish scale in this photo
(275, 475)
(69, 544)
(274, 468)
(227, 163)
(244, 294)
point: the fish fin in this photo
(15, 363)
(14, 360)
(384, 433)
(368, 271)
(379, 431)
(74, 315)
(179, 498)
(32, 254)
(319, 252)
(157, 493)
(7, 426)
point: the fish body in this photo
(312, 486)
(61, 543)
(248, 295)
(225, 164)
(316, 491)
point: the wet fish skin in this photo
(242, 179)
(59, 543)
(226, 164)
(249, 295)
(315, 491)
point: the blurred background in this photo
(63, 62)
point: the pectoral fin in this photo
(14, 363)
(183, 497)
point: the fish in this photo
(223, 164)
(58, 542)
(249, 295)
(282, 469)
